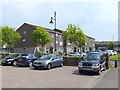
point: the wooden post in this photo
(107, 61)
(115, 64)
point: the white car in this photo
(74, 54)
(110, 52)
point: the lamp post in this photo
(113, 42)
(51, 21)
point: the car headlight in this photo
(95, 64)
(9, 59)
(80, 64)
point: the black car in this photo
(26, 60)
(9, 60)
(94, 61)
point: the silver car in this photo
(48, 61)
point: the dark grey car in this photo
(48, 61)
(94, 61)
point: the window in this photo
(24, 32)
(52, 36)
(86, 43)
(61, 43)
(93, 44)
(52, 43)
(58, 56)
(60, 36)
(24, 40)
(47, 31)
(68, 43)
(56, 34)
(56, 41)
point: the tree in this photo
(9, 37)
(65, 40)
(111, 45)
(40, 37)
(76, 36)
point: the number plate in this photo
(20, 60)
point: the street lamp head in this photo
(51, 22)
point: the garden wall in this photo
(71, 61)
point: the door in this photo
(54, 61)
(58, 60)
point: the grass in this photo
(111, 65)
(115, 57)
(0, 61)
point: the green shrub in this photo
(60, 53)
(39, 53)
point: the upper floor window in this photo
(47, 31)
(56, 34)
(61, 43)
(52, 36)
(68, 43)
(56, 41)
(52, 43)
(24, 32)
(60, 36)
(24, 40)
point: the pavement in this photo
(108, 80)
(61, 77)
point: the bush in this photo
(60, 53)
(39, 53)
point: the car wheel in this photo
(49, 66)
(99, 71)
(14, 63)
(30, 64)
(80, 71)
(104, 68)
(61, 64)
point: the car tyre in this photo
(61, 64)
(104, 68)
(14, 63)
(49, 66)
(99, 71)
(30, 64)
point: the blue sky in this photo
(97, 18)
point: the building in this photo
(26, 45)
(103, 45)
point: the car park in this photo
(74, 54)
(9, 60)
(93, 61)
(25, 60)
(48, 61)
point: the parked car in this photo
(48, 61)
(83, 54)
(74, 54)
(9, 60)
(93, 62)
(110, 52)
(25, 60)
(115, 53)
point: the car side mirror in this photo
(53, 59)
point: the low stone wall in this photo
(71, 61)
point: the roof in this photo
(44, 28)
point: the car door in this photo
(102, 61)
(54, 61)
(58, 60)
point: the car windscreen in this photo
(15, 55)
(92, 56)
(24, 55)
(45, 57)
